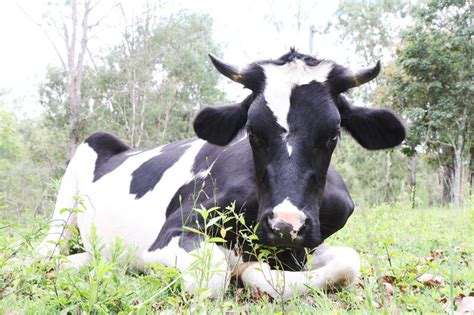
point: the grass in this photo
(397, 245)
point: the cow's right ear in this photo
(374, 129)
(220, 124)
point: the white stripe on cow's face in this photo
(279, 82)
(289, 148)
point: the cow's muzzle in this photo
(286, 231)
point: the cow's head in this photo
(293, 119)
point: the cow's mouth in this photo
(280, 238)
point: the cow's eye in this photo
(310, 61)
(252, 135)
(332, 142)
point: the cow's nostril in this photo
(282, 228)
(304, 227)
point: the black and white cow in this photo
(269, 154)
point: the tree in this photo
(435, 88)
(371, 32)
(147, 88)
(372, 26)
(28, 162)
(154, 81)
(10, 146)
(71, 23)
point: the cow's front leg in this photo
(341, 264)
(75, 261)
(204, 269)
(329, 267)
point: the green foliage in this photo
(429, 83)
(147, 88)
(369, 25)
(53, 97)
(434, 84)
(27, 177)
(10, 146)
(397, 245)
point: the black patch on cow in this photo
(109, 151)
(147, 175)
(208, 154)
(179, 213)
(171, 229)
(373, 128)
(233, 167)
(337, 205)
(189, 192)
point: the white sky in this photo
(246, 29)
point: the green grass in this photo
(396, 245)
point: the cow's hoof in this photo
(343, 269)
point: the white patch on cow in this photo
(133, 152)
(328, 268)
(280, 80)
(204, 173)
(75, 261)
(214, 277)
(341, 264)
(172, 255)
(116, 213)
(232, 256)
(80, 171)
(289, 213)
(279, 284)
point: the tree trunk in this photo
(388, 175)
(74, 69)
(457, 189)
(447, 180)
(457, 185)
(471, 169)
(412, 181)
(74, 136)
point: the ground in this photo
(412, 260)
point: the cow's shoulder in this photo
(106, 146)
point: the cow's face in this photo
(293, 119)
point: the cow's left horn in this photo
(228, 70)
(365, 75)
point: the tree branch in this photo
(46, 34)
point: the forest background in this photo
(149, 84)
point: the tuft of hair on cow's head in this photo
(293, 118)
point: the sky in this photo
(248, 30)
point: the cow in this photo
(267, 156)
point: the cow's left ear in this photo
(220, 124)
(373, 128)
